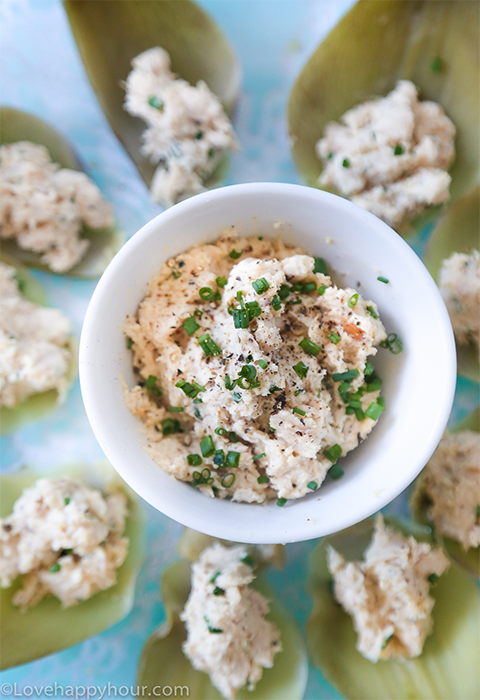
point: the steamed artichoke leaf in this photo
(110, 34)
(370, 49)
(192, 544)
(48, 627)
(36, 406)
(163, 662)
(105, 242)
(447, 667)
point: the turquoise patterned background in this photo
(41, 72)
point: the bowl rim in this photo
(189, 518)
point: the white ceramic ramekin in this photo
(418, 384)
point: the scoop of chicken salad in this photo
(253, 369)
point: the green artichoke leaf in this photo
(48, 627)
(104, 242)
(163, 662)
(469, 559)
(110, 34)
(457, 232)
(433, 44)
(446, 669)
(37, 406)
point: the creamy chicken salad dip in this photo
(460, 288)
(253, 367)
(188, 132)
(387, 594)
(63, 538)
(34, 344)
(44, 207)
(390, 155)
(228, 635)
(450, 484)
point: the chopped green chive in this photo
(55, 568)
(228, 480)
(359, 414)
(67, 501)
(345, 376)
(330, 155)
(129, 343)
(372, 311)
(156, 102)
(398, 150)
(214, 578)
(205, 293)
(436, 65)
(190, 325)
(197, 413)
(207, 446)
(208, 345)
(233, 437)
(382, 279)
(218, 591)
(221, 431)
(248, 372)
(477, 511)
(176, 274)
(312, 485)
(212, 630)
(369, 369)
(308, 287)
(375, 410)
(309, 346)
(260, 238)
(21, 283)
(248, 560)
(199, 135)
(333, 453)
(198, 313)
(221, 282)
(433, 578)
(253, 308)
(264, 479)
(284, 291)
(203, 477)
(241, 318)
(335, 472)
(393, 343)
(273, 389)
(171, 426)
(281, 502)
(219, 458)
(262, 364)
(236, 397)
(260, 456)
(346, 163)
(300, 411)
(276, 303)
(194, 460)
(320, 266)
(235, 254)
(352, 302)
(261, 285)
(334, 337)
(297, 392)
(229, 385)
(232, 460)
(151, 381)
(321, 289)
(294, 301)
(388, 640)
(301, 369)
(175, 409)
(211, 152)
(188, 389)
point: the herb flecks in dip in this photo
(253, 369)
(390, 155)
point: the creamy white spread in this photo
(387, 593)
(248, 413)
(451, 485)
(63, 538)
(188, 132)
(34, 353)
(390, 155)
(44, 207)
(460, 288)
(228, 635)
